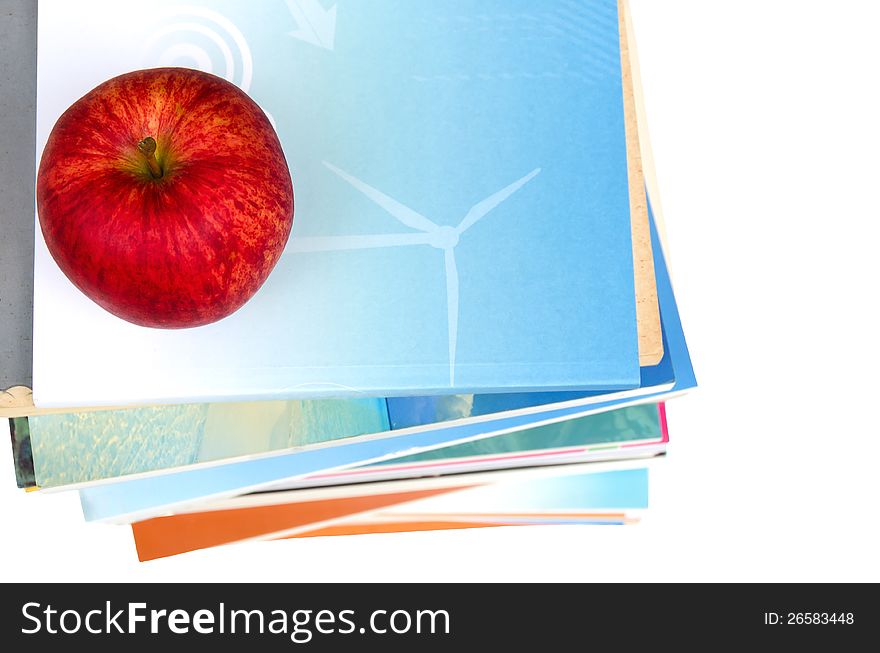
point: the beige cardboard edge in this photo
(650, 331)
(17, 401)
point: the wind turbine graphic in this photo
(442, 237)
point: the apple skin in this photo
(188, 248)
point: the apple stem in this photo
(147, 147)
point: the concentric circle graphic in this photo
(195, 37)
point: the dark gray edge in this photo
(18, 86)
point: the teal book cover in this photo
(461, 204)
(70, 448)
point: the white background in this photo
(764, 123)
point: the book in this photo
(18, 230)
(626, 433)
(451, 303)
(73, 449)
(573, 494)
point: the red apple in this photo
(164, 196)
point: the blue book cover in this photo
(462, 215)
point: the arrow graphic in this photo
(314, 24)
(427, 232)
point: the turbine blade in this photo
(339, 243)
(452, 309)
(481, 209)
(401, 213)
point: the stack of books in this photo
(471, 324)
